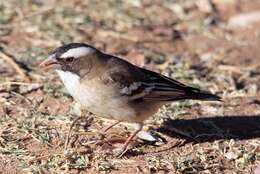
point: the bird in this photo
(113, 88)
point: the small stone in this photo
(244, 19)
(257, 170)
(147, 136)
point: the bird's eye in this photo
(69, 59)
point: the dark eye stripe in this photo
(59, 59)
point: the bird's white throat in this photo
(70, 80)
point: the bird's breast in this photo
(103, 101)
(96, 97)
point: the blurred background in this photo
(211, 44)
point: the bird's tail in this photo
(203, 95)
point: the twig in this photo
(14, 65)
(22, 97)
(70, 130)
(167, 148)
(180, 132)
(42, 11)
(18, 83)
(230, 68)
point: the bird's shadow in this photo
(208, 129)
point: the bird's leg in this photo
(127, 142)
(110, 126)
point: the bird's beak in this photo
(50, 62)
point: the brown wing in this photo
(157, 87)
(141, 84)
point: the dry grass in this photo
(186, 40)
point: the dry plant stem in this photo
(178, 131)
(14, 65)
(39, 12)
(167, 148)
(110, 126)
(70, 130)
(18, 83)
(129, 139)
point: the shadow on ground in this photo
(209, 129)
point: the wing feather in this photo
(155, 87)
(142, 84)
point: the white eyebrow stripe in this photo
(77, 52)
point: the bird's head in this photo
(71, 57)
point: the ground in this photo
(200, 43)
